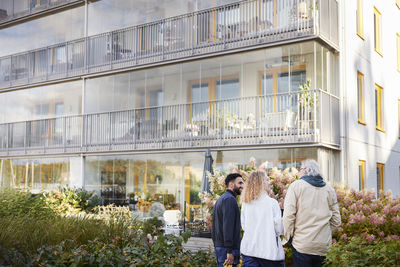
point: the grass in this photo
(27, 223)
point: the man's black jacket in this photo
(225, 229)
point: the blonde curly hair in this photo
(254, 186)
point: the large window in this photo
(37, 174)
(361, 174)
(398, 103)
(360, 26)
(378, 31)
(360, 96)
(379, 107)
(380, 176)
(276, 84)
(210, 89)
(398, 51)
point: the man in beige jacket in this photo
(311, 215)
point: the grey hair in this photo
(311, 167)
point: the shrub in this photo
(128, 249)
(17, 203)
(72, 200)
(152, 226)
(364, 215)
(359, 252)
(28, 233)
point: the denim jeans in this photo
(220, 253)
(248, 261)
(306, 260)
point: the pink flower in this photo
(375, 219)
(347, 201)
(357, 218)
(395, 209)
(386, 210)
(395, 220)
(370, 238)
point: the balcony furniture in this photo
(278, 120)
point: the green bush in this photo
(28, 233)
(358, 252)
(128, 249)
(15, 203)
(72, 200)
(152, 226)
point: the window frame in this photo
(378, 32)
(274, 72)
(398, 104)
(212, 83)
(398, 50)
(379, 108)
(362, 164)
(360, 97)
(360, 19)
(380, 179)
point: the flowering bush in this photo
(364, 215)
(279, 183)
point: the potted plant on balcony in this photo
(306, 104)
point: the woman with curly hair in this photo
(262, 224)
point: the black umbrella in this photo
(205, 183)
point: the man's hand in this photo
(229, 259)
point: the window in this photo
(378, 31)
(359, 22)
(276, 84)
(399, 115)
(210, 89)
(360, 96)
(150, 99)
(361, 175)
(380, 176)
(398, 50)
(379, 107)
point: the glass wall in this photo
(173, 178)
(126, 13)
(41, 102)
(52, 29)
(38, 174)
(271, 71)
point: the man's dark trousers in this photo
(306, 260)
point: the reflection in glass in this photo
(35, 174)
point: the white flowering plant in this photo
(279, 182)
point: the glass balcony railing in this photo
(241, 25)
(297, 117)
(12, 10)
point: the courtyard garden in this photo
(69, 227)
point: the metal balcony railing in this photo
(297, 117)
(16, 10)
(240, 25)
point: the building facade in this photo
(126, 96)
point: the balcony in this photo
(307, 117)
(240, 26)
(12, 11)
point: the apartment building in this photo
(126, 96)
